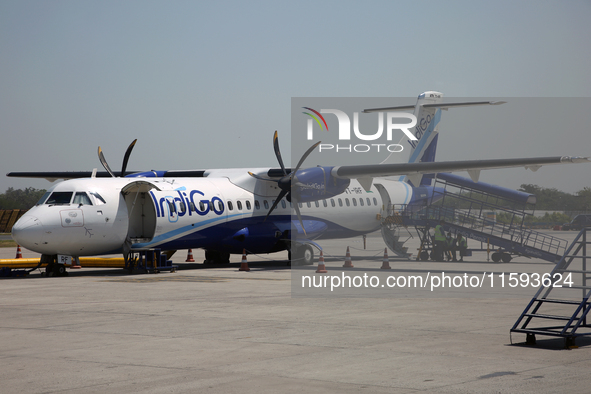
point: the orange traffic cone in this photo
(19, 254)
(386, 263)
(75, 263)
(321, 267)
(190, 256)
(244, 263)
(348, 263)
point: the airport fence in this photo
(8, 218)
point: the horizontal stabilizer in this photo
(444, 106)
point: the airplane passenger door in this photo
(385, 197)
(141, 210)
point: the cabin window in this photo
(98, 199)
(230, 206)
(201, 206)
(265, 204)
(347, 202)
(220, 206)
(42, 199)
(324, 203)
(354, 202)
(332, 202)
(300, 205)
(375, 202)
(368, 202)
(171, 206)
(248, 206)
(309, 205)
(239, 205)
(59, 198)
(340, 202)
(257, 204)
(317, 204)
(283, 204)
(361, 201)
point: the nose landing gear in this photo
(53, 268)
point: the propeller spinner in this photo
(286, 182)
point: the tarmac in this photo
(221, 330)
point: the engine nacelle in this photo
(317, 183)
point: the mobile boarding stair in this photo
(395, 232)
(570, 285)
(473, 209)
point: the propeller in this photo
(125, 159)
(286, 182)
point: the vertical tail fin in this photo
(426, 129)
(426, 133)
(423, 150)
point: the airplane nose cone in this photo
(27, 231)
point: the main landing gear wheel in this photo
(303, 255)
(500, 256)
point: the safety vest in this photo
(463, 243)
(439, 233)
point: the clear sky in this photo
(205, 84)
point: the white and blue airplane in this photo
(225, 211)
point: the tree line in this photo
(20, 199)
(550, 199)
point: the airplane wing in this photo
(52, 176)
(472, 166)
(345, 172)
(55, 175)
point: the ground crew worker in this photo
(450, 244)
(439, 241)
(461, 245)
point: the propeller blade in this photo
(305, 156)
(285, 182)
(104, 162)
(279, 197)
(126, 157)
(297, 209)
(278, 152)
(261, 178)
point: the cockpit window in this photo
(98, 199)
(82, 198)
(42, 200)
(59, 198)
